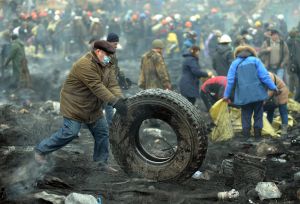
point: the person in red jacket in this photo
(212, 90)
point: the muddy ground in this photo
(25, 119)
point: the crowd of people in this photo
(249, 54)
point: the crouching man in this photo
(90, 84)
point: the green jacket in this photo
(154, 73)
(87, 88)
(17, 56)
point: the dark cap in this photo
(105, 46)
(112, 37)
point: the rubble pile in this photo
(264, 171)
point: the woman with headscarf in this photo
(191, 72)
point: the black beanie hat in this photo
(112, 37)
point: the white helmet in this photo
(280, 16)
(225, 39)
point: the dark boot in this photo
(284, 129)
(257, 133)
(246, 132)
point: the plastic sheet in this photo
(221, 117)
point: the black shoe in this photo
(257, 133)
(246, 132)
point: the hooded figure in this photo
(248, 78)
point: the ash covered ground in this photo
(26, 118)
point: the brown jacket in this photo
(283, 97)
(154, 73)
(264, 54)
(88, 86)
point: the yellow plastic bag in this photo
(221, 117)
(293, 105)
(236, 120)
(267, 130)
(277, 122)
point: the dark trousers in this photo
(283, 114)
(248, 110)
(191, 99)
(208, 100)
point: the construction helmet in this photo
(157, 43)
(280, 16)
(225, 39)
(188, 24)
(257, 23)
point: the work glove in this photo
(277, 92)
(121, 107)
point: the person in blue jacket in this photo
(249, 79)
(191, 72)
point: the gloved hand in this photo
(277, 92)
(121, 106)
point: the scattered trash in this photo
(227, 167)
(282, 161)
(297, 176)
(197, 175)
(233, 194)
(51, 181)
(77, 198)
(23, 111)
(52, 198)
(264, 149)
(51, 107)
(5, 150)
(251, 202)
(295, 142)
(201, 175)
(155, 132)
(248, 169)
(4, 127)
(267, 190)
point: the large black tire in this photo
(181, 115)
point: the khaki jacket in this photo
(154, 73)
(87, 88)
(283, 97)
(265, 55)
